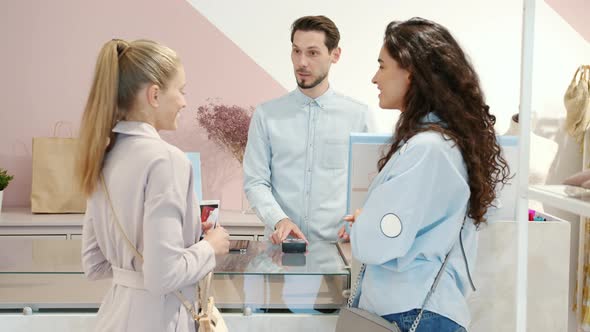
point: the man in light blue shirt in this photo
(295, 165)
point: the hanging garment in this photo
(584, 303)
(577, 104)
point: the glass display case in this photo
(46, 274)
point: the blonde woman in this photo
(138, 89)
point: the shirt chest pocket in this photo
(334, 154)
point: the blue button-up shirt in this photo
(296, 160)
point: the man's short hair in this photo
(318, 23)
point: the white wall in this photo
(489, 32)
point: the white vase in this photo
(1, 195)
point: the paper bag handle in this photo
(58, 125)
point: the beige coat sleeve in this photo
(94, 263)
(168, 265)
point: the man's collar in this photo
(304, 100)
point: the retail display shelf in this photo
(567, 198)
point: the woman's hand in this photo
(218, 238)
(351, 218)
(342, 234)
(206, 226)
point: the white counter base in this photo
(235, 322)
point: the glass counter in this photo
(46, 274)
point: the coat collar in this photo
(136, 128)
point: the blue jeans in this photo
(430, 322)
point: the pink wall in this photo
(47, 58)
(570, 11)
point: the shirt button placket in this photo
(310, 159)
(313, 113)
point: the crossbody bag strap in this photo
(187, 304)
(361, 274)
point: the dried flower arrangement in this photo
(226, 125)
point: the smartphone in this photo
(210, 211)
(291, 246)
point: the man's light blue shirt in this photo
(425, 186)
(296, 160)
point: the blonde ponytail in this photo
(122, 68)
(99, 116)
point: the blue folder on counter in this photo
(195, 158)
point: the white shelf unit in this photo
(526, 87)
(571, 199)
(575, 200)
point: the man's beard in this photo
(312, 85)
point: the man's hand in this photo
(284, 228)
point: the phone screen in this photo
(208, 212)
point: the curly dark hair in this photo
(443, 81)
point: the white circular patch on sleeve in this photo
(391, 225)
